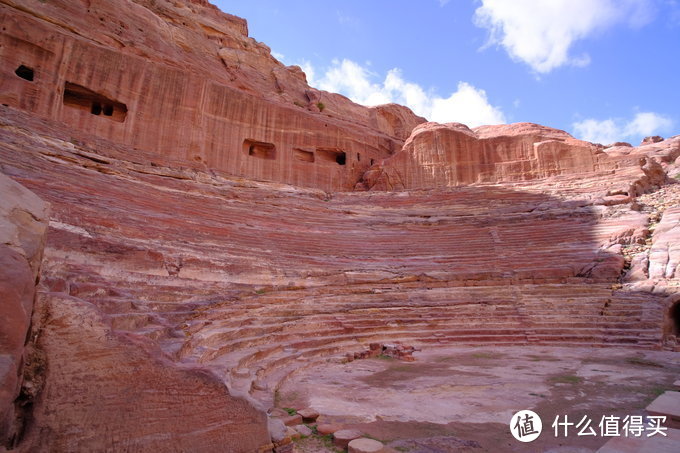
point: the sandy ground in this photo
(462, 398)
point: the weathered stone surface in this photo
(308, 415)
(97, 379)
(364, 445)
(292, 433)
(327, 428)
(668, 405)
(651, 139)
(17, 289)
(642, 444)
(23, 224)
(190, 88)
(523, 255)
(445, 155)
(277, 430)
(139, 126)
(292, 420)
(343, 437)
(664, 257)
(23, 221)
(303, 430)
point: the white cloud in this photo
(612, 130)
(468, 105)
(648, 123)
(541, 32)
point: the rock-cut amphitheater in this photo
(198, 249)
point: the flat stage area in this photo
(454, 399)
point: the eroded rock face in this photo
(254, 281)
(23, 224)
(183, 280)
(665, 253)
(445, 155)
(182, 83)
(651, 139)
(106, 391)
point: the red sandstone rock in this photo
(280, 434)
(303, 430)
(343, 437)
(365, 445)
(441, 266)
(173, 261)
(624, 144)
(293, 433)
(664, 257)
(443, 155)
(327, 428)
(276, 412)
(292, 420)
(97, 379)
(23, 224)
(190, 87)
(308, 415)
(652, 139)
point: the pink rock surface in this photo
(96, 380)
(23, 224)
(445, 155)
(190, 87)
(162, 135)
(364, 445)
(308, 415)
(343, 437)
(664, 257)
(327, 428)
(292, 420)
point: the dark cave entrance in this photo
(675, 318)
(25, 73)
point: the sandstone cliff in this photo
(445, 155)
(205, 243)
(164, 268)
(23, 224)
(182, 83)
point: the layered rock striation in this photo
(446, 155)
(251, 282)
(23, 224)
(205, 241)
(182, 83)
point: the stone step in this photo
(667, 404)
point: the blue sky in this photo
(603, 70)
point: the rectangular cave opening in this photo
(332, 155)
(25, 73)
(79, 97)
(261, 150)
(302, 155)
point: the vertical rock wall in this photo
(188, 89)
(23, 223)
